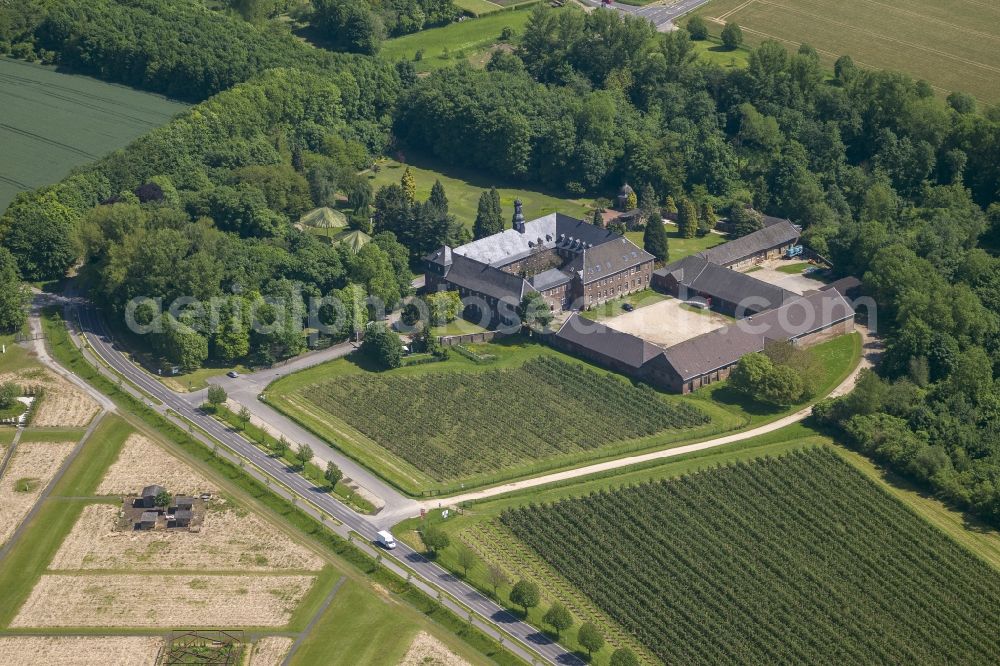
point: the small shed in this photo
(149, 493)
(184, 502)
(182, 518)
(147, 520)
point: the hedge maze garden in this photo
(798, 559)
(450, 424)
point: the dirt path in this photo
(870, 351)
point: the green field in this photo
(52, 122)
(468, 40)
(795, 559)
(463, 189)
(952, 45)
(458, 424)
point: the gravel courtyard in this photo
(666, 323)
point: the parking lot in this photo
(666, 323)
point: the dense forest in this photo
(892, 182)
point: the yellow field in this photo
(953, 44)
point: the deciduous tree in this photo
(525, 594)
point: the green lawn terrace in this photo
(464, 187)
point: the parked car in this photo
(628, 307)
(232, 374)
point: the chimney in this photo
(518, 221)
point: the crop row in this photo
(451, 424)
(797, 559)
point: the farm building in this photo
(709, 357)
(771, 242)
(148, 497)
(571, 263)
(147, 520)
(182, 518)
(722, 289)
(184, 502)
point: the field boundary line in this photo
(312, 621)
(44, 495)
(877, 35)
(9, 453)
(722, 18)
(931, 19)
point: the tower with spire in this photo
(518, 220)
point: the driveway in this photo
(796, 282)
(666, 323)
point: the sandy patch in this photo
(79, 650)
(270, 650)
(796, 282)
(34, 463)
(136, 600)
(666, 323)
(425, 650)
(63, 404)
(142, 463)
(228, 539)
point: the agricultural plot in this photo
(425, 650)
(32, 466)
(137, 600)
(53, 122)
(76, 650)
(143, 463)
(62, 404)
(229, 538)
(793, 559)
(952, 45)
(270, 650)
(450, 424)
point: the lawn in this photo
(680, 247)
(359, 628)
(712, 50)
(838, 357)
(794, 269)
(21, 568)
(446, 426)
(836, 565)
(463, 189)
(951, 45)
(465, 40)
(53, 122)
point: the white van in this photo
(386, 540)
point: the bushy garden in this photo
(451, 424)
(791, 559)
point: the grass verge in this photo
(66, 353)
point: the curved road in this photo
(397, 507)
(531, 643)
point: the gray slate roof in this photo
(152, 491)
(609, 258)
(624, 347)
(549, 279)
(777, 234)
(553, 230)
(724, 346)
(484, 279)
(700, 275)
(148, 516)
(440, 256)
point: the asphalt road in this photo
(528, 637)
